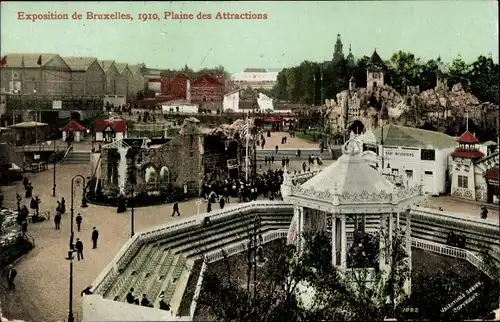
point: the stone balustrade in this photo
(476, 228)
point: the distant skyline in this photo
(293, 32)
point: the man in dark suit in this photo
(79, 248)
(95, 236)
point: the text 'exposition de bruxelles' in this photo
(167, 15)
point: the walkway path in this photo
(42, 284)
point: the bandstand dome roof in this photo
(350, 175)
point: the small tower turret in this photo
(374, 72)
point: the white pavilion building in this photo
(351, 194)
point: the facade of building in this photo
(207, 88)
(87, 76)
(178, 87)
(474, 174)
(112, 74)
(154, 84)
(124, 84)
(73, 129)
(26, 73)
(110, 130)
(255, 78)
(138, 81)
(410, 154)
(231, 101)
(179, 107)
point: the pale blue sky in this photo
(293, 31)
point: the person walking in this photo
(79, 249)
(209, 206)
(222, 202)
(176, 209)
(95, 236)
(57, 221)
(78, 221)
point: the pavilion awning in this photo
(27, 125)
(73, 126)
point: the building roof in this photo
(121, 67)
(492, 174)
(118, 125)
(106, 64)
(467, 154)
(205, 78)
(73, 126)
(134, 69)
(79, 64)
(397, 135)
(255, 77)
(28, 125)
(350, 175)
(467, 138)
(375, 60)
(20, 60)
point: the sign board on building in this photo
(401, 153)
(56, 105)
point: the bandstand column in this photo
(343, 243)
(334, 239)
(301, 229)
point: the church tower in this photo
(374, 72)
(338, 52)
(351, 63)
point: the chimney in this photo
(188, 90)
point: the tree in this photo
(483, 77)
(459, 73)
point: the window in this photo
(409, 173)
(463, 182)
(427, 155)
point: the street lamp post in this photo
(54, 174)
(71, 317)
(314, 90)
(132, 212)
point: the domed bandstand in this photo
(351, 202)
(345, 200)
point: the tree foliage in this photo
(191, 73)
(403, 69)
(275, 297)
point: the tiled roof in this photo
(118, 125)
(492, 174)
(467, 138)
(397, 135)
(73, 126)
(106, 64)
(26, 60)
(121, 67)
(467, 154)
(79, 64)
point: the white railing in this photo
(229, 251)
(111, 271)
(196, 295)
(159, 231)
(462, 218)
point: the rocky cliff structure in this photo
(358, 109)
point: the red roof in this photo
(119, 126)
(492, 174)
(467, 154)
(73, 126)
(467, 138)
(205, 78)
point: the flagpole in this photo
(246, 149)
